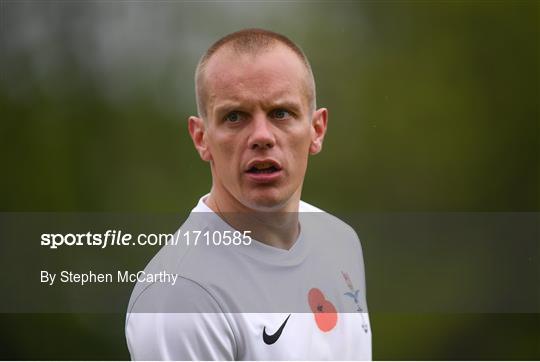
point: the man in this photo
(271, 277)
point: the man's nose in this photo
(262, 136)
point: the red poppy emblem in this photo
(324, 311)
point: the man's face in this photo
(259, 128)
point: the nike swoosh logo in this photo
(271, 339)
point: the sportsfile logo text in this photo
(120, 238)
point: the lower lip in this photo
(262, 178)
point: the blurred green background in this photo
(434, 106)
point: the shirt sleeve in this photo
(362, 270)
(180, 322)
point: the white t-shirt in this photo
(254, 302)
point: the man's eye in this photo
(281, 114)
(233, 117)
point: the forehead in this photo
(272, 75)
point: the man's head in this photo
(257, 121)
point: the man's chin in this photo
(266, 201)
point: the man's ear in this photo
(318, 130)
(197, 130)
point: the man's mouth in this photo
(265, 167)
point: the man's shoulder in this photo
(329, 234)
(306, 207)
(325, 220)
(186, 259)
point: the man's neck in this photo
(278, 229)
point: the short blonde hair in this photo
(250, 41)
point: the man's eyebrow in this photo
(287, 104)
(227, 107)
